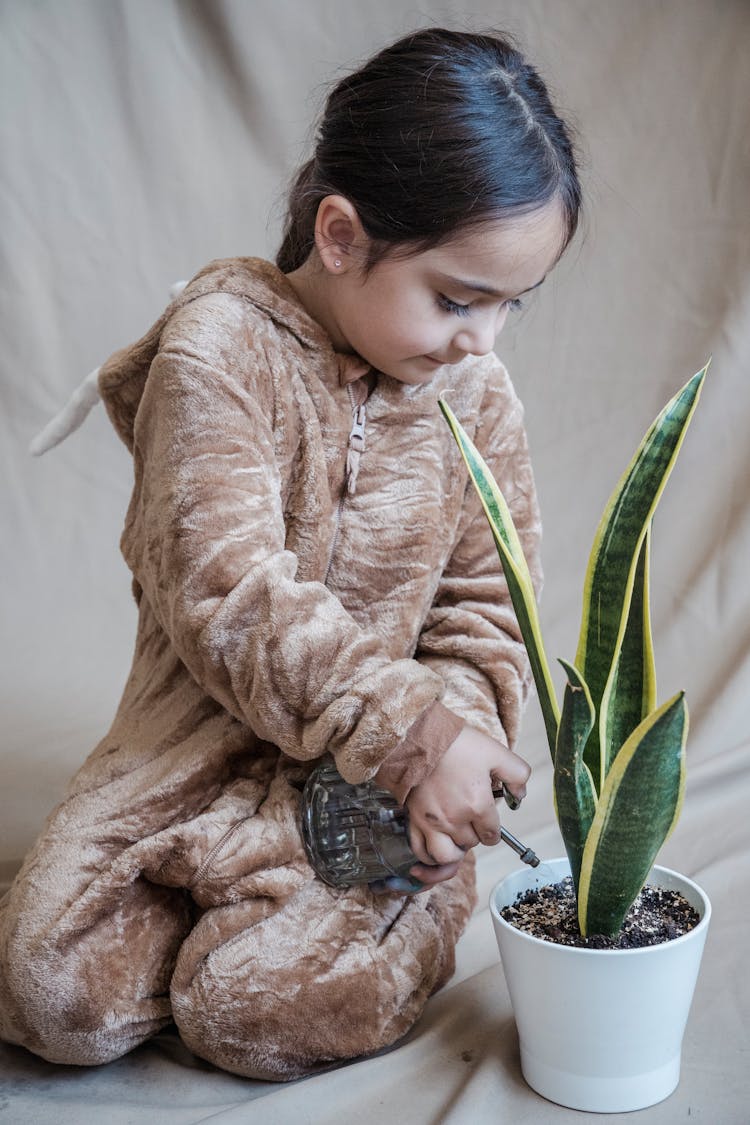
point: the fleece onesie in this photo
(302, 587)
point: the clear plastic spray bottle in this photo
(358, 833)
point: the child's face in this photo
(410, 316)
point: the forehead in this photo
(503, 255)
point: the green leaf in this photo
(614, 556)
(638, 806)
(575, 796)
(516, 571)
(630, 694)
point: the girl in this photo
(312, 575)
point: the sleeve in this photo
(471, 637)
(205, 540)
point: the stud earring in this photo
(337, 262)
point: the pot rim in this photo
(569, 950)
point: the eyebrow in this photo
(480, 287)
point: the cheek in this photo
(416, 337)
(420, 325)
(402, 321)
(401, 327)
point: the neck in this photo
(314, 288)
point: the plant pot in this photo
(599, 1030)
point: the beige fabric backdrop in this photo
(142, 138)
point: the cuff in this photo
(416, 757)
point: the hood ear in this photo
(73, 414)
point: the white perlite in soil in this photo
(550, 913)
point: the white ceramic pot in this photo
(599, 1030)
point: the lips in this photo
(443, 362)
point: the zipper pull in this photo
(356, 447)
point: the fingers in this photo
(511, 772)
(453, 808)
(486, 825)
(430, 874)
(437, 838)
(433, 846)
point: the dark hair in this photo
(442, 130)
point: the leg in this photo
(329, 975)
(281, 976)
(91, 928)
(85, 983)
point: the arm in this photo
(205, 540)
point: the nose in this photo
(478, 338)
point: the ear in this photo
(340, 238)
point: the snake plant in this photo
(619, 760)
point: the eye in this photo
(449, 306)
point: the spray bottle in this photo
(358, 833)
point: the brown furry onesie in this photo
(281, 615)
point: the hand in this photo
(453, 809)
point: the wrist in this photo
(418, 754)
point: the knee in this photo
(278, 1031)
(276, 1002)
(80, 996)
(54, 1005)
(43, 1007)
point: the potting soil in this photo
(550, 913)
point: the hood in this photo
(121, 380)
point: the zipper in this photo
(354, 449)
(356, 446)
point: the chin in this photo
(414, 378)
(420, 369)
